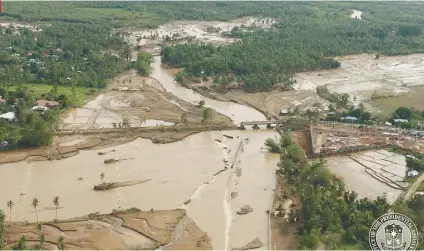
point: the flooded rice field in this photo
(202, 174)
(371, 173)
(366, 78)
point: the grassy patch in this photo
(411, 99)
(421, 187)
(132, 210)
(323, 92)
(81, 94)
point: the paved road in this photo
(413, 187)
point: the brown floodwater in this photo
(178, 171)
(238, 113)
(176, 176)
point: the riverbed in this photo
(197, 168)
(176, 176)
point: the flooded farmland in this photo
(174, 179)
(371, 173)
(207, 179)
(366, 79)
(209, 174)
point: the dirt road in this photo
(413, 187)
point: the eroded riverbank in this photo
(198, 178)
(174, 180)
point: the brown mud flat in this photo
(99, 140)
(268, 103)
(142, 101)
(120, 231)
(283, 234)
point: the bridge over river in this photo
(256, 124)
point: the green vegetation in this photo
(143, 63)
(414, 164)
(22, 244)
(63, 62)
(56, 204)
(328, 214)
(415, 118)
(421, 187)
(278, 144)
(132, 210)
(2, 227)
(414, 209)
(307, 35)
(209, 115)
(411, 99)
(362, 116)
(341, 100)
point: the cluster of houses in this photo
(40, 106)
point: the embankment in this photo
(100, 138)
(119, 230)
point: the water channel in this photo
(178, 171)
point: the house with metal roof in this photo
(8, 116)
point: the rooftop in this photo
(8, 116)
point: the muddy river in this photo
(236, 112)
(201, 173)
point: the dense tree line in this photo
(303, 40)
(143, 63)
(69, 56)
(63, 54)
(32, 128)
(2, 227)
(328, 214)
(414, 209)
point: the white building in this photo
(8, 116)
(400, 121)
(412, 173)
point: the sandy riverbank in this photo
(171, 229)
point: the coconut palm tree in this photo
(56, 203)
(102, 176)
(10, 205)
(34, 204)
(42, 239)
(60, 242)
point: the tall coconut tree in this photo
(56, 204)
(10, 205)
(60, 243)
(34, 204)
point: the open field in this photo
(413, 98)
(200, 31)
(143, 101)
(370, 80)
(354, 171)
(382, 85)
